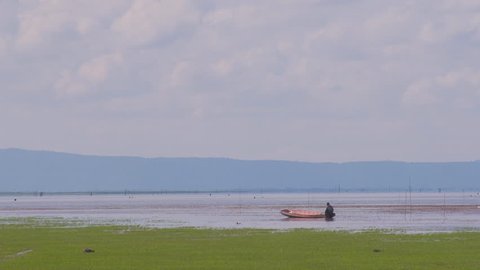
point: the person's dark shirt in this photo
(329, 211)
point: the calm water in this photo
(415, 212)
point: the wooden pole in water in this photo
(410, 192)
(308, 199)
(444, 207)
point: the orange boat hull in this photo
(296, 213)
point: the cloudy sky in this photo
(309, 80)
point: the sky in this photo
(303, 80)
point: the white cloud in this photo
(218, 17)
(85, 25)
(148, 20)
(453, 90)
(311, 71)
(97, 69)
(453, 19)
(38, 23)
(3, 46)
(223, 67)
(51, 22)
(331, 32)
(181, 73)
(420, 93)
(86, 78)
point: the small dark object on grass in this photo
(88, 250)
(377, 250)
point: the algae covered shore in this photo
(56, 247)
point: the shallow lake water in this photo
(404, 212)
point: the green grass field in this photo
(48, 247)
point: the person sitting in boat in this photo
(329, 214)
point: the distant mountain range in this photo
(43, 171)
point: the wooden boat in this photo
(296, 213)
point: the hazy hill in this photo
(27, 171)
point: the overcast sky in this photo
(306, 80)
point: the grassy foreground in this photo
(134, 248)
